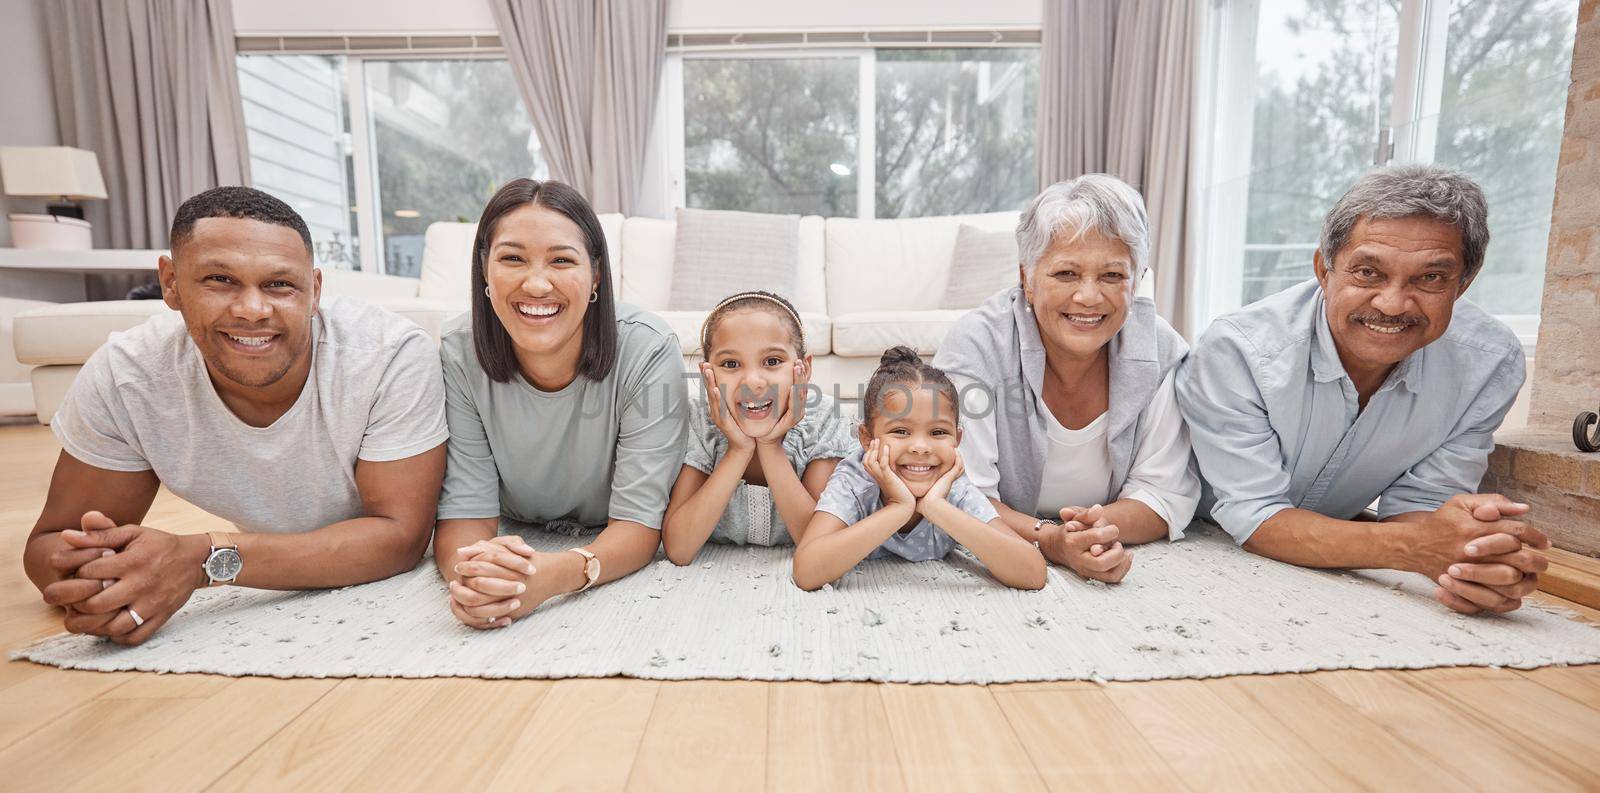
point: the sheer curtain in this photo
(589, 72)
(149, 86)
(1116, 96)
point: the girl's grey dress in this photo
(751, 517)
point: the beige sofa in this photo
(864, 286)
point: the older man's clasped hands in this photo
(1480, 557)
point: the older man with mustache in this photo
(1375, 381)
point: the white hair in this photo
(1095, 201)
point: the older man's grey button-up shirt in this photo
(1276, 423)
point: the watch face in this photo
(224, 564)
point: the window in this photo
(955, 131)
(1502, 108)
(445, 136)
(1323, 86)
(771, 134)
(372, 150)
(297, 126)
(1304, 96)
(947, 131)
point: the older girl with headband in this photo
(758, 455)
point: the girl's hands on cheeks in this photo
(494, 573)
(791, 416)
(876, 461)
(940, 489)
(722, 413)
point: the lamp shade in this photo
(51, 171)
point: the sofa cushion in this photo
(650, 243)
(718, 253)
(12, 371)
(686, 324)
(447, 258)
(68, 333)
(869, 333)
(366, 286)
(983, 262)
(881, 265)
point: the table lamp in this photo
(61, 173)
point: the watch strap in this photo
(219, 540)
(590, 561)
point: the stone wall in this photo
(1567, 365)
(1544, 469)
(1540, 465)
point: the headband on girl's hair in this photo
(704, 326)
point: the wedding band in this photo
(488, 620)
(137, 620)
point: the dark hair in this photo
(902, 366)
(233, 201)
(495, 352)
(754, 299)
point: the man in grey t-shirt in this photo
(318, 432)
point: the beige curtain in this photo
(589, 71)
(149, 86)
(1115, 96)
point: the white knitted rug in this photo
(1197, 608)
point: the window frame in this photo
(669, 120)
(1222, 142)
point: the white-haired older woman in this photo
(1071, 421)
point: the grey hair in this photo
(1402, 191)
(1095, 201)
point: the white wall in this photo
(27, 98)
(273, 17)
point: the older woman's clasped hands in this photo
(1088, 543)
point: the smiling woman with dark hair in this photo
(566, 411)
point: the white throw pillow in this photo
(718, 253)
(983, 262)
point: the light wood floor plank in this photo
(64, 751)
(1210, 744)
(33, 703)
(955, 738)
(1356, 748)
(203, 741)
(1436, 728)
(1580, 683)
(1078, 740)
(582, 739)
(704, 735)
(457, 740)
(185, 686)
(1563, 733)
(829, 736)
(329, 744)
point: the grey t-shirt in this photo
(751, 517)
(852, 494)
(591, 452)
(144, 401)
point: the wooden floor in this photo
(1465, 728)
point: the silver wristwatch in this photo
(223, 564)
